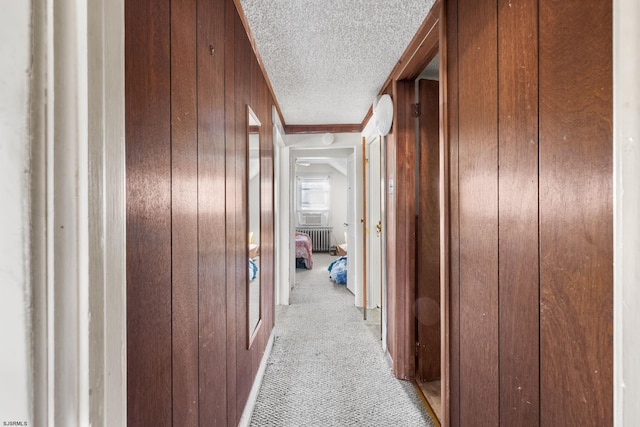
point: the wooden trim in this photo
(421, 49)
(426, 403)
(330, 128)
(445, 225)
(252, 40)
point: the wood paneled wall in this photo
(529, 107)
(427, 306)
(190, 74)
(401, 220)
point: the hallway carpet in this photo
(327, 368)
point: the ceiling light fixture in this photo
(328, 139)
(383, 114)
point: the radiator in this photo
(319, 237)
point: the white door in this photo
(374, 226)
(350, 224)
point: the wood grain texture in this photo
(148, 169)
(211, 213)
(576, 202)
(478, 210)
(451, 267)
(518, 213)
(230, 213)
(328, 128)
(242, 97)
(184, 214)
(427, 304)
(404, 364)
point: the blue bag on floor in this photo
(338, 270)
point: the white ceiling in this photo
(328, 59)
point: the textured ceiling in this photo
(328, 59)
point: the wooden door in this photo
(427, 303)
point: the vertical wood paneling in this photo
(242, 97)
(576, 213)
(405, 215)
(230, 212)
(148, 168)
(211, 212)
(478, 204)
(451, 81)
(518, 213)
(184, 201)
(428, 235)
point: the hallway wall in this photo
(15, 303)
(530, 134)
(190, 75)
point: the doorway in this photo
(428, 214)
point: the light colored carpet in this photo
(327, 367)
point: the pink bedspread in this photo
(304, 249)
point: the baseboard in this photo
(388, 358)
(245, 420)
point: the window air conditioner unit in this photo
(311, 218)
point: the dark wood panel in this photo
(478, 204)
(576, 262)
(230, 184)
(329, 128)
(184, 226)
(211, 212)
(428, 235)
(148, 168)
(518, 213)
(449, 63)
(405, 223)
(243, 97)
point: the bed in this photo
(304, 249)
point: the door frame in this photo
(428, 41)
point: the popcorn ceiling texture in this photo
(328, 59)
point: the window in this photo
(313, 200)
(314, 194)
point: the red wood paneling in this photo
(230, 185)
(449, 57)
(518, 213)
(190, 74)
(405, 229)
(478, 210)
(576, 244)
(237, 172)
(184, 221)
(427, 305)
(211, 215)
(148, 169)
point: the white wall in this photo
(338, 202)
(15, 57)
(626, 65)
